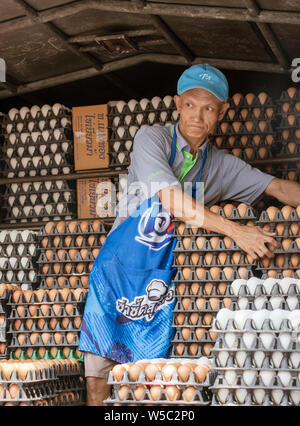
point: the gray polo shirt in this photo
(225, 176)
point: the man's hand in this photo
(253, 240)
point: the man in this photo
(128, 313)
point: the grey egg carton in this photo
(260, 290)
(267, 326)
(264, 218)
(29, 392)
(206, 247)
(270, 304)
(214, 294)
(178, 338)
(201, 398)
(250, 399)
(159, 380)
(33, 376)
(186, 351)
(215, 262)
(207, 277)
(205, 309)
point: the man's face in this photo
(199, 112)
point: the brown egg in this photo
(221, 258)
(139, 392)
(193, 349)
(207, 319)
(53, 323)
(71, 226)
(200, 301)
(199, 333)
(181, 228)
(294, 260)
(180, 259)
(156, 392)
(279, 260)
(184, 372)
(193, 318)
(231, 114)
(49, 227)
(208, 289)
(228, 209)
(201, 373)
(179, 318)
(49, 254)
(77, 322)
(16, 296)
(186, 272)
(56, 307)
(186, 301)
(40, 294)
(236, 125)
(20, 310)
(291, 147)
(84, 280)
(95, 252)
(194, 259)
(236, 258)
(123, 392)
(224, 127)
(45, 242)
(133, 372)
(168, 371)
(214, 303)
(194, 289)
(271, 212)
(249, 98)
(200, 241)
(13, 390)
(68, 268)
(286, 211)
(286, 243)
(236, 98)
(236, 152)
(279, 229)
(262, 153)
(207, 347)
(45, 269)
(80, 267)
(49, 281)
(285, 134)
(215, 209)
(185, 332)
(179, 348)
(186, 242)
(297, 241)
(173, 393)
(83, 226)
(208, 258)
(33, 337)
(214, 272)
(67, 241)
(180, 289)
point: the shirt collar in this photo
(182, 143)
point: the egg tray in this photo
(250, 399)
(34, 125)
(101, 230)
(66, 135)
(65, 258)
(47, 355)
(207, 277)
(114, 111)
(264, 218)
(62, 112)
(220, 247)
(18, 151)
(28, 266)
(225, 144)
(206, 306)
(261, 292)
(73, 245)
(286, 233)
(284, 139)
(45, 300)
(201, 398)
(115, 162)
(255, 104)
(65, 400)
(271, 267)
(267, 326)
(214, 264)
(68, 213)
(29, 392)
(186, 350)
(50, 343)
(41, 199)
(55, 285)
(73, 272)
(244, 131)
(286, 153)
(41, 169)
(32, 376)
(15, 280)
(192, 338)
(286, 177)
(46, 328)
(159, 380)
(48, 187)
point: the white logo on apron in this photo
(158, 296)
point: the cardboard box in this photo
(96, 198)
(90, 128)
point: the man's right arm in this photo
(250, 239)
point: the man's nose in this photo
(199, 115)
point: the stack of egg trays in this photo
(71, 381)
(37, 386)
(202, 395)
(5, 310)
(87, 262)
(125, 119)
(18, 256)
(2, 133)
(293, 218)
(265, 365)
(39, 201)
(221, 278)
(262, 127)
(77, 311)
(34, 150)
(288, 128)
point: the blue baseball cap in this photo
(204, 76)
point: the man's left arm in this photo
(286, 191)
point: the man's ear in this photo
(223, 110)
(177, 100)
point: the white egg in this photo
(241, 357)
(9, 128)
(155, 101)
(223, 316)
(222, 395)
(230, 377)
(277, 316)
(13, 236)
(167, 101)
(121, 157)
(252, 283)
(259, 395)
(295, 359)
(12, 113)
(21, 275)
(285, 284)
(45, 135)
(144, 103)
(12, 138)
(285, 340)
(32, 276)
(13, 262)
(151, 117)
(285, 377)
(163, 116)
(20, 127)
(57, 134)
(132, 104)
(277, 358)
(9, 249)
(52, 123)
(236, 285)
(222, 358)
(275, 301)
(267, 340)
(139, 118)
(294, 318)
(175, 115)
(240, 318)
(23, 112)
(259, 302)
(295, 397)
(133, 130)
(56, 107)
(292, 302)
(34, 110)
(269, 284)
(241, 395)
(9, 276)
(249, 339)
(249, 376)
(277, 396)
(120, 106)
(267, 377)
(129, 118)
(24, 137)
(230, 340)
(121, 132)
(128, 145)
(259, 317)
(243, 303)
(35, 136)
(45, 109)
(259, 357)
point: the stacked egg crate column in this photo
(125, 119)
(38, 142)
(257, 351)
(288, 132)
(161, 382)
(67, 251)
(285, 222)
(41, 383)
(5, 290)
(247, 129)
(18, 256)
(45, 324)
(206, 263)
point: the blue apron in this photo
(128, 312)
